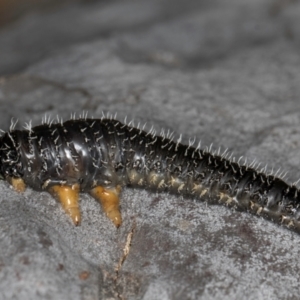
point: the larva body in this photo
(101, 156)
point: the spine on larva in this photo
(90, 153)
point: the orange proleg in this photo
(17, 183)
(68, 197)
(109, 199)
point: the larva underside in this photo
(99, 156)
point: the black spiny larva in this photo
(99, 156)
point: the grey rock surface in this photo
(40, 34)
(224, 72)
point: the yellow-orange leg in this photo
(68, 197)
(109, 199)
(17, 183)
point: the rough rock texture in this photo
(226, 72)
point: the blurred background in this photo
(10, 10)
(199, 30)
(29, 29)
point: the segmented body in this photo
(107, 153)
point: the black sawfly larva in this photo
(100, 156)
